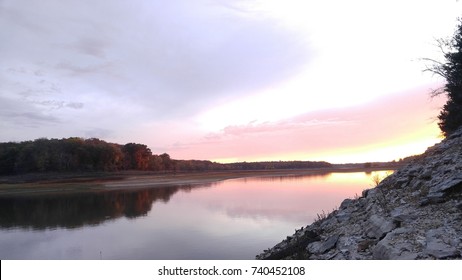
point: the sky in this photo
(226, 80)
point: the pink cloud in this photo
(387, 118)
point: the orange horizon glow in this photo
(386, 151)
(386, 129)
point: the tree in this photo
(450, 117)
(136, 156)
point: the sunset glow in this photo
(227, 81)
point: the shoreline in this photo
(413, 214)
(30, 184)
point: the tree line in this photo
(78, 154)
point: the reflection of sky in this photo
(295, 199)
(233, 220)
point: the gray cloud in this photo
(153, 60)
(173, 56)
(207, 58)
(91, 46)
(55, 104)
(15, 113)
(74, 105)
(82, 70)
(98, 133)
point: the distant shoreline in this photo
(43, 183)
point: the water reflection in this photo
(285, 178)
(369, 176)
(234, 219)
(77, 210)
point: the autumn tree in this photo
(136, 156)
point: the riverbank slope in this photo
(415, 213)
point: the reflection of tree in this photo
(77, 210)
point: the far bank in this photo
(29, 184)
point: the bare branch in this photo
(435, 92)
(436, 68)
(432, 60)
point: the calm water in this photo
(232, 219)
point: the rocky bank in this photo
(415, 213)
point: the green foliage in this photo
(450, 117)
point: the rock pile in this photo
(415, 213)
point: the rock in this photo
(414, 171)
(365, 244)
(345, 251)
(343, 216)
(426, 174)
(446, 185)
(383, 251)
(328, 244)
(322, 247)
(327, 223)
(456, 134)
(314, 248)
(345, 204)
(402, 182)
(400, 216)
(378, 227)
(389, 249)
(364, 193)
(441, 251)
(437, 247)
(459, 205)
(431, 200)
(372, 194)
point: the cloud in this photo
(17, 114)
(292, 124)
(90, 46)
(98, 133)
(83, 70)
(171, 57)
(54, 104)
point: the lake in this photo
(231, 219)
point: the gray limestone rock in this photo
(343, 216)
(389, 248)
(321, 247)
(446, 185)
(426, 174)
(345, 204)
(364, 193)
(400, 216)
(363, 245)
(329, 244)
(372, 194)
(314, 247)
(437, 247)
(379, 226)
